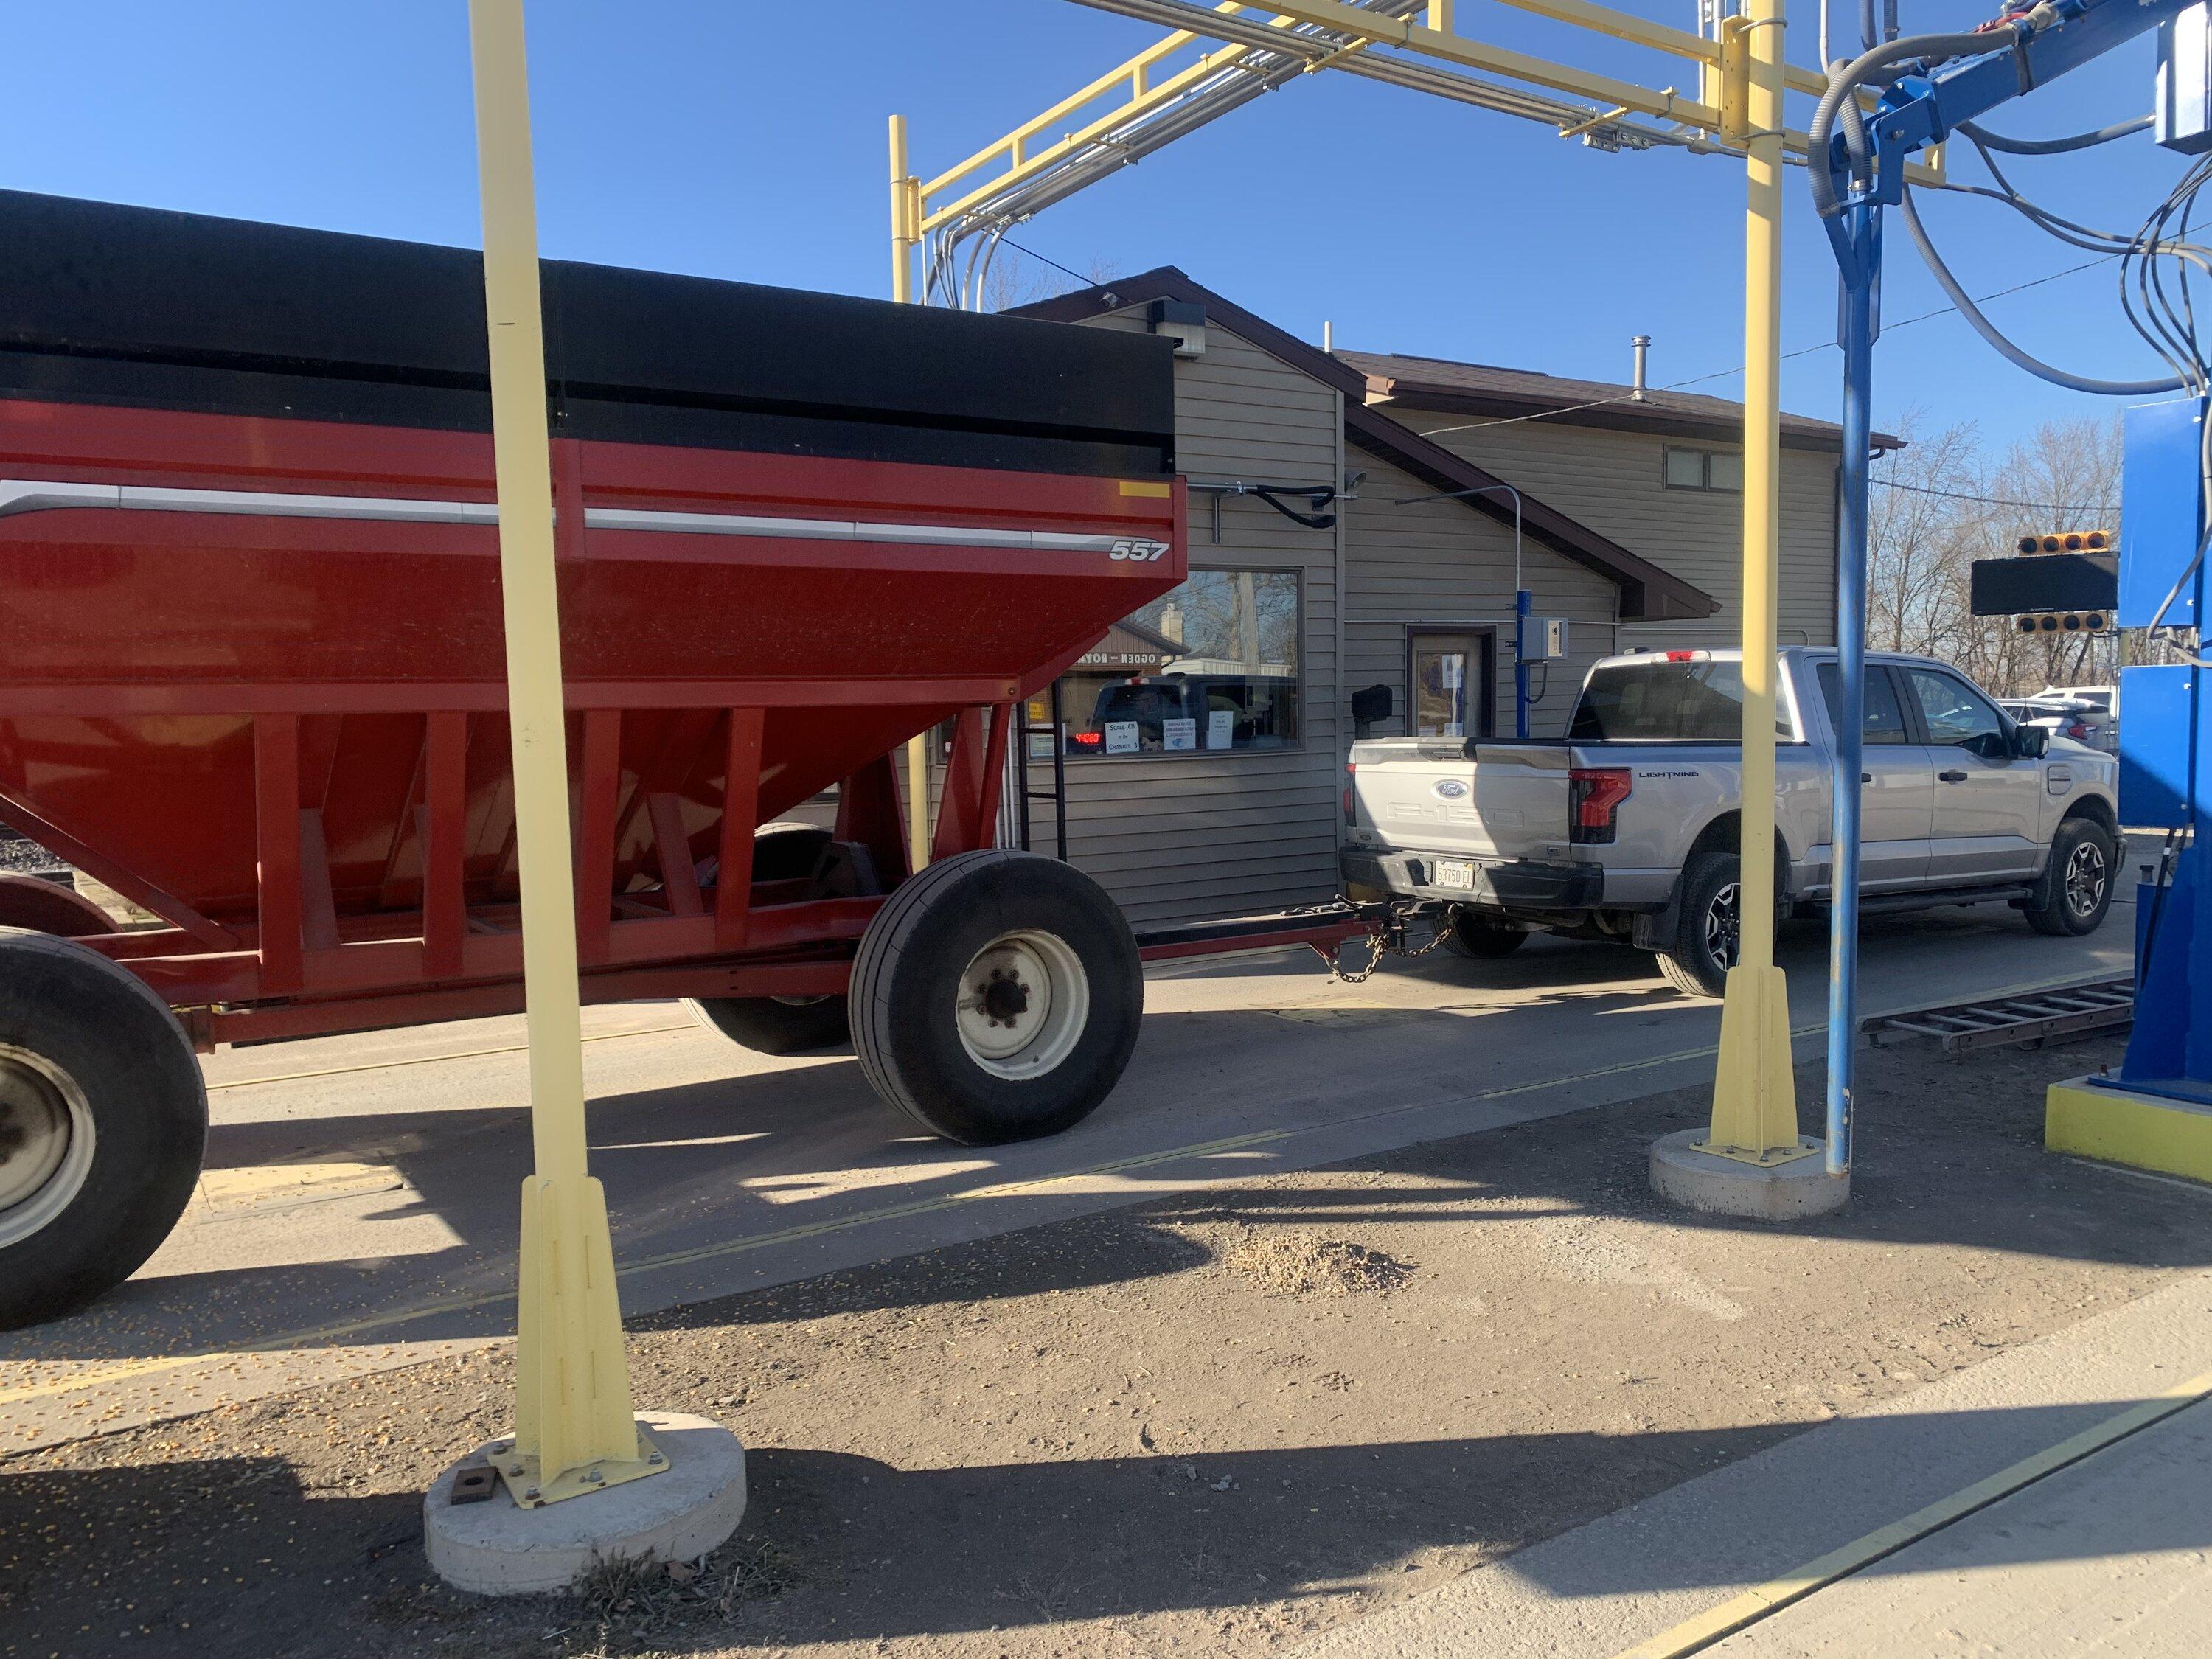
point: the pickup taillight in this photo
(1594, 794)
(1350, 818)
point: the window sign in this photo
(1211, 666)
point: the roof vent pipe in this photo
(1328, 338)
(1643, 348)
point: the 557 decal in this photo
(1137, 550)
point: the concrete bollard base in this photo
(1723, 1186)
(497, 1549)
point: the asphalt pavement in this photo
(359, 1210)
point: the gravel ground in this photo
(1207, 1425)
(18, 855)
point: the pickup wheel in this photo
(1482, 937)
(2077, 889)
(1704, 944)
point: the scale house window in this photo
(1211, 667)
(1718, 470)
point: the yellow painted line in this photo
(127, 1370)
(1694, 1635)
(429, 1059)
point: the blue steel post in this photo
(1523, 599)
(1860, 273)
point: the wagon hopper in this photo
(252, 677)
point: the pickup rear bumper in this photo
(1519, 885)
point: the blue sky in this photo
(744, 140)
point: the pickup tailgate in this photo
(1509, 802)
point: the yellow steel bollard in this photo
(1754, 1092)
(575, 1429)
(906, 232)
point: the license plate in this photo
(1455, 873)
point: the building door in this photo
(1448, 680)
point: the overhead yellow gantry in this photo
(1737, 108)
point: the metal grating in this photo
(2007, 1022)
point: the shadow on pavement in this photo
(234, 1555)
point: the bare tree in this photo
(1939, 505)
(1916, 518)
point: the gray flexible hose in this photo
(2005, 348)
(1997, 140)
(1844, 84)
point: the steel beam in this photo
(573, 1411)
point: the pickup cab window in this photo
(1661, 700)
(1957, 717)
(1885, 719)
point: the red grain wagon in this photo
(251, 679)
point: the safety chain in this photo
(1389, 941)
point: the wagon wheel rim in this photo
(1724, 925)
(2085, 878)
(46, 1143)
(1022, 1003)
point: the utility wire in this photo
(1054, 263)
(1992, 501)
(1804, 351)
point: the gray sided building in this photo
(1352, 525)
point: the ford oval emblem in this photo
(1449, 789)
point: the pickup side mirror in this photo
(2031, 742)
(1369, 706)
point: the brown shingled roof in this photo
(1485, 389)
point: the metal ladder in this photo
(1018, 763)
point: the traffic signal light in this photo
(2064, 621)
(2068, 541)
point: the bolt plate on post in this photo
(518, 1470)
(1734, 81)
(1765, 1160)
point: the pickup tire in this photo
(2077, 889)
(1697, 961)
(1480, 937)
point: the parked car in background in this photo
(1626, 828)
(2068, 717)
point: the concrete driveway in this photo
(360, 1206)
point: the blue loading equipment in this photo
(2163, 771)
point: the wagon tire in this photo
(103, 1120)
(1482, 938)
(775, 1025)
(778, 1025)
(2076, 888)
(996, 997)
(1697, 961)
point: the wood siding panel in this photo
(1193, 839)
(1611, 481)
(1437, 563)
